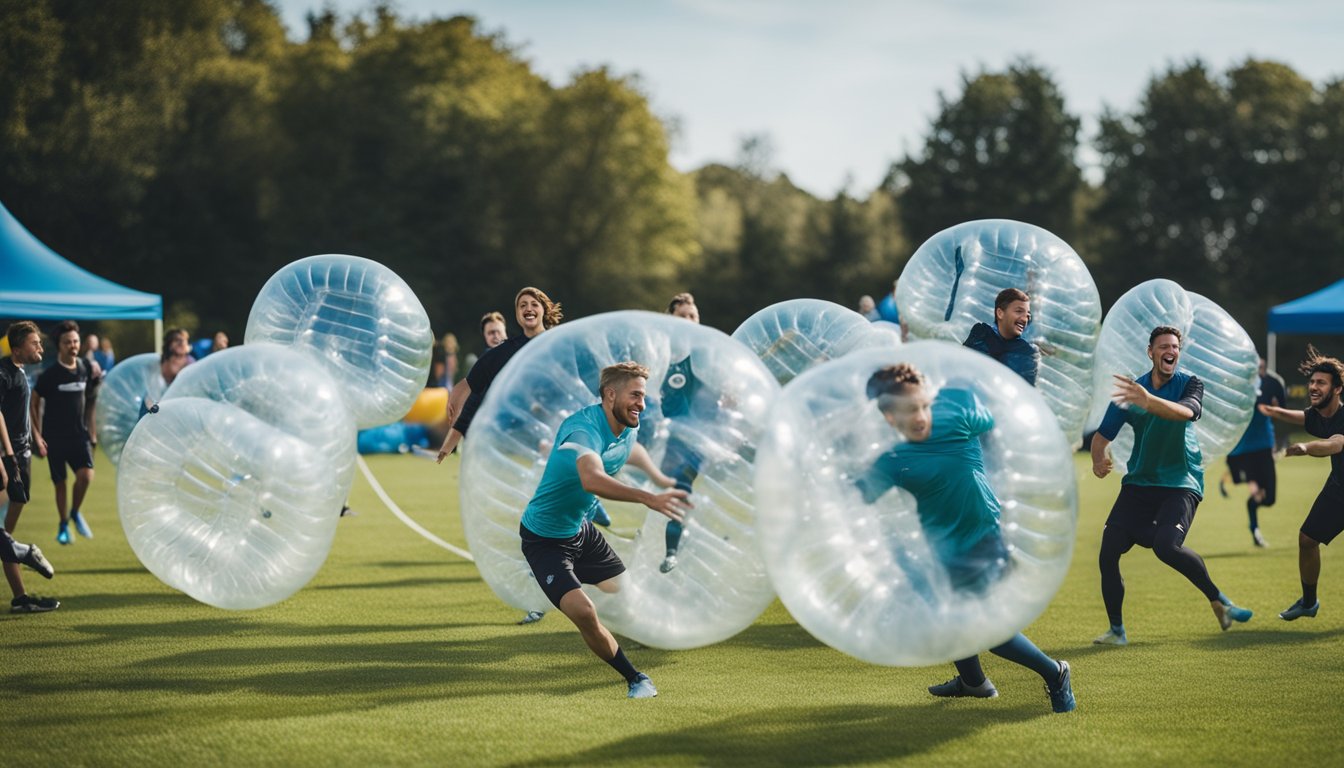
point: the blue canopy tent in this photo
(36, 283)
(1316, 313)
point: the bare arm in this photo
(4, 438)
(1101, 461)
(1328, 447)
(1131, 392)
(449, 445)
(597, 482)
(39, 444)
(456, 397)
(1283, 414)
(640, 459)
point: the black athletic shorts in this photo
(1255, 467)
(562, 565)
(1140, 510)
(1325, 521)
(77, 452)
(20, 492)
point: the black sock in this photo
(1308, 595)
(623, 665)
(1251, 507)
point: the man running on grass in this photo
(560, 542)
(1324, 419)
(1164, 481)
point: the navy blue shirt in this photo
(1018, 354)
(14, 397)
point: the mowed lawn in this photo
(398, 654)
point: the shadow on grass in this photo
(318, 677)
(424, 581)
(1266, 634)
(822, 736)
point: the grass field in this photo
(398, 654)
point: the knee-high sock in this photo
(673, 536)
(970, 672)
(1020, 650)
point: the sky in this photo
(844, 88)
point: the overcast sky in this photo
(845, 87)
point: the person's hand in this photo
(1265, 409)
(14, 482)
(1297, 449)
(1129, 392)
(40, 446)
(443, 454)
(672, 503)
(1102, 468)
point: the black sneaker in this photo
(37, 562)
(956, 687)
(33, 604)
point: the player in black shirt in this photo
(25, 344)
(1325, 420)
(535, 313)
(60, 425)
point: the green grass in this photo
(398, 654)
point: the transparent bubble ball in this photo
(865, 578)
(1214, 347)
(716, 406)
(951, 281)
(793, 336)
(121, 398)
(231, 493)
(361, 320)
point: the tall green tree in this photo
(1003, 148)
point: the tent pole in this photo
(158, 336)
(1271, 350)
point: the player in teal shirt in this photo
(1163, 483)
(561, 544)
(941, 464)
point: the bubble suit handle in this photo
(952, 280)
(1214, 347)
(361, 320)
(867, 577)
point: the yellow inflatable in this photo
(431, 407)
(4, 346)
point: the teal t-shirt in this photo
(560, 505)
(945, 474)
(1166, 453)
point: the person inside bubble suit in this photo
(940, 462)
(1003, 340)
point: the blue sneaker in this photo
(600, 517)
(642, 688)
(1112, 636)
(1297, 610)
(63, 535)
(957, 687)
(80, 525)
(1235, 612)
(1061, 696)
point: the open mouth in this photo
(1168, 359)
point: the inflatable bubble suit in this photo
(795, 335)
(863, 577)
(951, 281)
(120, 398)
(361, 320)
(719, 586)
(232, 491)
(1214, 347)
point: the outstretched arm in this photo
(640, 459)
(456, 397)
(1131, 392)
(449, 445)
(1283, 414)
(596, 481)
(1328, 447)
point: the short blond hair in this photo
(619, 373)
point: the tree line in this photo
(188, 148)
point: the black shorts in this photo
(1140, 510)
(981, 566)
(1255, 467)
(24, 461)
(1325, 521)
(74, 451)
(560, 566)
